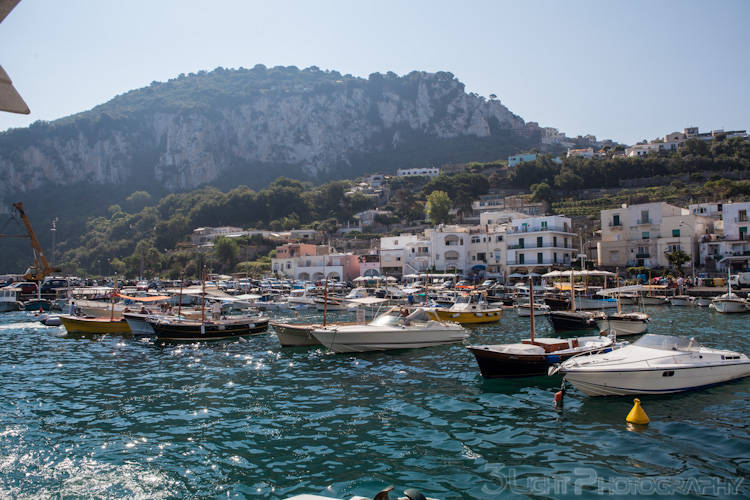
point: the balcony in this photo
(642, 255)
(527, 229)
(535, 262)
(641, 222)
(615, 223)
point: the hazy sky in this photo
(621, 70)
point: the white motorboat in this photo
(624, 323)
(301, 297)
(729, 303)
(701, 301)
(392, 330)
(680, 300)
(594, 303)
(524, 310)
(654, 364)
(627, 323)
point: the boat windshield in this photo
(668, 343)
(388, 319)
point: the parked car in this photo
(52, 284)
(25, 287)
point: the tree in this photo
(568, 180)
(438, 207)
(138, 201)
(677, 259)
(541, 192)
(226, 252)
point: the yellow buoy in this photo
(637, 415)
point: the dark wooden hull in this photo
(496, 364)
(196, 331)
(557, 303)
(571, 321)
(502, 365)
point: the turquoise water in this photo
(114, 417)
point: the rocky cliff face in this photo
(184, 149)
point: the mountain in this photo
(249, 126)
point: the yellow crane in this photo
(41, 268)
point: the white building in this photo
(537, 244)
(430, 172)
(642, 235)
(728, 249)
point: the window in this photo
(498, 238)
(644, 217)
(520, 243)
(539, 242)
(398, 259)
(646, 235)
(520, 258)
(482, 257)
(676, 233)
(544, 225)
(743, 233)
(475, 239)
(616, 220)
(742, 216)
(540, 258)
(554, 241)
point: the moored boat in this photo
(729, 303)
(186, 330)
(532, 357)
(626, 323)
(654, 364)
(95, 325)
(471, 308)
(9, 300)
(574, 320)
(421, 328)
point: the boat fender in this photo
(383, 494)
(413, 494)
(559, 395)
(553, 358)
(203, 329)
(456, 315)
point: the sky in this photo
(622, 70)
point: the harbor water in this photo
(117, 417)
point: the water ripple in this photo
(115, 417)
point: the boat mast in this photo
(112, 314)
(203, 296)
(531, 307)
(325, 302)
(179, 301)
(572, 291)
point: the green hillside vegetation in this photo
(155, 234)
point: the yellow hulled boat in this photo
(97, 325)
(470, 309)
